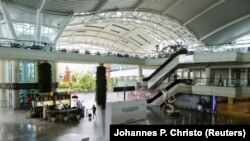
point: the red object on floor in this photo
(28, 100)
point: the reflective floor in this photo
(15, 126)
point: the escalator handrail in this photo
(181, 51)
(177, 81)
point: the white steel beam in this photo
(172, 6)
(203, 12)
(90, 36)
(104, 46)
(121, 37)
(101, 31)
(94, 37)
(63, 27)
(97, 9)
(101, 5)
(42, 5)
(39, 22)
(38, 26)
(8, 20)
(138, 4)
(224, 26)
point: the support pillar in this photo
(247, 77)
(230, 100)
(182, 74)
(7, 75)
(238, 73)
(208, 76)
(54, 75)
(3, 92)
(200, 74)
(140, 73)
(36, 72)
(193, 74)
(230, 77)
(189, 73)
(15, 93)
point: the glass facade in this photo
(26, 75)
(27, 72)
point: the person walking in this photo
(94, 111)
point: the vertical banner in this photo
(213, 103)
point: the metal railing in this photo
(218, 82)
(69, 48)
(25, 44)
(221, 82)
(102, 52)
(226, 47)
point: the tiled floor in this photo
(14, 126)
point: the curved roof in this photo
(132, 31)
(139, 25)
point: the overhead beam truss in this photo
(166, 29)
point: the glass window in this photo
(26, 75)
(27, 72)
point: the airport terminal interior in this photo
(69, 69)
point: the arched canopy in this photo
(129, 25)
(133, 31)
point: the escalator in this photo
(169, 87)
(163, 71)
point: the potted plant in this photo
(65, 116)
(52, 116)
(78, 114)
(101, 86)
(44, 77)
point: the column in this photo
(189, 73)
(230, 77)
(182, 74)
(208, 76)
(200, 74)
(237, 77)
(36, 71)
(230, 100)
(139, 83)
(15, 93)
(9, 74)
(213, 107)
(54, 75)
(3, 94)
(194, 74)
(140, 73)
(247, 77)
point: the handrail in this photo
(181, 51)
(27, 44)
(172, 84)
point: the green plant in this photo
(65, 114)
(101, 86)
(44, 77)
(64, 85)
(52, 114)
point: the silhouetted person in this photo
(220, 83)
(94, 111)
